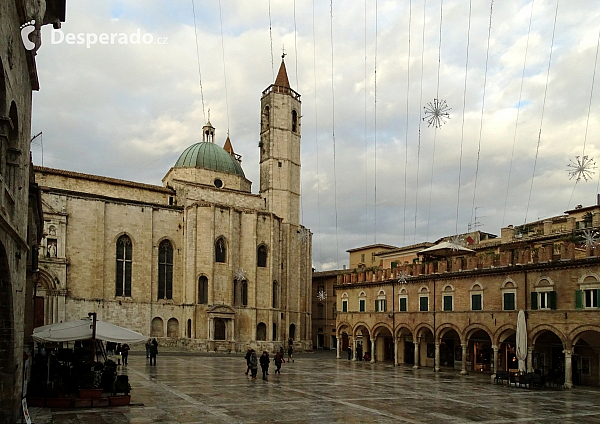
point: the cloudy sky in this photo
(129, 110)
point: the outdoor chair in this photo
(501, 376)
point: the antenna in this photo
(41, 143)
(475, 224)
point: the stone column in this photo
(395, 351)
(568, 371)
(338, 348)
(463, 371)
(417, 359)
(436, 368)
(495, 364)
(373, 350)
(354, 349)
(529, 359)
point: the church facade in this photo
(199, 261)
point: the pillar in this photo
(530, 359)
(338, 348)
(353, 348)
(373, 339)
(568, 371)
(495, 364)
(463, 370)
(436, 367)
(395, 351)
(417, 359)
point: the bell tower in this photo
(280, 148)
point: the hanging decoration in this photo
(581, 167)
(457, 242)
(240, 275)
(321, 295)
(403, 277)
(436, 113)
(590, 237)
(303, 234)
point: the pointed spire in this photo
(282, 78)
(228, 147)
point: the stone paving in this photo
(193, 388)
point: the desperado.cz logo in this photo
(91, 38)
(26, 29)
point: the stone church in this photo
(199, 261)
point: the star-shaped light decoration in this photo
(590, 237)
(457, 242)
(402, 277)
(436, 113)
(240, 275)
(321, 295)
(581, 167)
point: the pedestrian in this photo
(253, 363)
(278, 361)
(349, 353)
(148, 344)
(248, 353)
(153, 352)
(118, 352)
(359, 352)
(264, 364)
(290, 352)
(125, 353)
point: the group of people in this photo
(151, 351)
(120, 351)
(359, 355)
(252, 361)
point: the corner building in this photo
(200, 261)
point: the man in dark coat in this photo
(264, 364)
(278, 361)
(253, 363)
(153, 352)
(248, 353)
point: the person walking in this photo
(118, 352)
(248, 353)
(264, 364)
(125, 353)
(148, 344)
(290, 352)
(349, 353)
(153, 352)
(278, 361)
(253, 364)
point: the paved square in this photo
(193, 388)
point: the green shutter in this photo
(423, 304)
(385, 305)
(534, 300)
(376, 306)
(403, 304)
(394, 265)
(344, 306)
(552, 300)
(447, 303)
(476, 302)
(598, 299)
(578, 299)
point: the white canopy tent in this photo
(445, 248)
(82, 330)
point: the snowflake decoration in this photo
(590, 237)
(436, 113)
(457, 242)
(304, 233)
(581, 168)
(321, 295)
(402, 277)
(240, 275)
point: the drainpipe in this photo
(394, 319)
(434, 327)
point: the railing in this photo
(281, 90)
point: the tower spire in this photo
(282, 78)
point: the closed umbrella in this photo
(521, 341)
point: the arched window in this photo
(424, 299)
(292, 331)
(240, 292)
(244, 293)
(189, 328)
(220, 250)
(266, 118)
(173, 328)
(219, 329)
(274, 331)
(362, 302)
(261, 332)
(345, 302)
(320, 311)
(403, 300)
(381, 302)
(476, 297)
(275, 294)
(203, 290)
(448, 298)
(294, 121)
(261, 256)
(156, 327)
(165, 270)
(124, 263)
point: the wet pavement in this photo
(206, 388)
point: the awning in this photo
(82, 330)
(445, 248)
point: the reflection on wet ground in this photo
(195, 388)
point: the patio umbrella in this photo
(445, 248)
(521, 341)
(82, 330)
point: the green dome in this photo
(207, 155)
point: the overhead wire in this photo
(365, 137)
(316, 131)
(271, 38)
(298, 90)
(198, 58)
(224, 71)
(462, 129)
(419, 129)
(537, 149)
(337, 247)
(406, 128)
(375, 132)
(518, 112)
(487, 55)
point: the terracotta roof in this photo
(228, 147)
(282, 78)
(372, 246)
